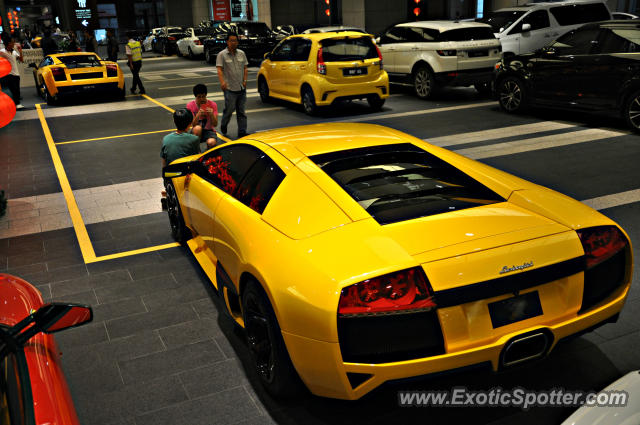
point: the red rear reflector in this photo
(395, 292)
(601, 243)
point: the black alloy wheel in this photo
(207, 56)
(165, 49)
(424, 83)
(191, 55)
(263, 89)
(46, 95)
(266, 346)
(375, 102)
(309, 101)
(179, 230)
(511, 95)
(631, 111)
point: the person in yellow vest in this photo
(134, 55)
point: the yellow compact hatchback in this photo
(319, 69)
(354, 254)
(65, 74)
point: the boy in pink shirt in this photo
(205, 116)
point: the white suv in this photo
(431, 54)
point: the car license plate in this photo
(478, 53)
(89, 87)
(515, 309)
(348, 72)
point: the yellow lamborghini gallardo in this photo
(63, 74)
(354, 254)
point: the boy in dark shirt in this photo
(179, 143)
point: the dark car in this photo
(593, 68)
(166, 40)
(254, 39)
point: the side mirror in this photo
(526, 27)
(50, 318)
(378, 41)
(181, 169)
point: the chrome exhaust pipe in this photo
(525, 348)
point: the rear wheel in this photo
(165, 49)
(178, 52)
(423, 82)
(179, 230)
(512, 95)
(191, 55)
(263, 89)
(309, 101)
(266, 346)
(375, 102)
(207, 56)
(46, 95)
(631, 111)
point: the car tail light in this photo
(395, 292)
(322, 68)
(601, 243)
(172, 39)
(379, 55)
(58, 74)
(197, 42)
(446, 52)
(112, 70)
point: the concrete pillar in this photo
(200, 11)
(264, 12)
(353, 12)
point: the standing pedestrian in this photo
(232, 71)
(12, 81)
(112, 46)
(134, 55)
(47, 43)
(73, 42)
(90, 42)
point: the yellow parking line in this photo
(158, 103)
(86, 248)
(134, 252)
(115, 137)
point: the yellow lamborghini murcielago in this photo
(354, 254)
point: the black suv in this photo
(166, 40)
(254, 39)
(593, 68)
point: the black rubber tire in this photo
(424, 83)
(263, 89)
(179, 230)
(208, 57)
(165, 49)
(631, 111)
(375, 102)
(47, 96)
(178, 52)
(512, 95)
(267, 349)
(309, 102)
(191, 55)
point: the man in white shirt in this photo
(12, 81)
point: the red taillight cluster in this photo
(58, 74)
(379, 55)
(112, 70)
(171, 38)
(446, 52)
(394, 292)
(197, 42)
(601, 243)
(322, 68)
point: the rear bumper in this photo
(92, 88)
(326, 93)
(465, 77)
(321, 367)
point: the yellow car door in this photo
(297, 65)
(278, 66)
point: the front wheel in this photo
(179, 230)
(424, 83)
(631, 111)
(512, 95)
(263, 89)
(309, 101)
(266, 346)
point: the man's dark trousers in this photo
(135, 70)
(235, 101)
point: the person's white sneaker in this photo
(19, 106)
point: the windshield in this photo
(257, 28)
(203, 31)
(80, 61)
(500, 21)
(347, 49)
(401, 182)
